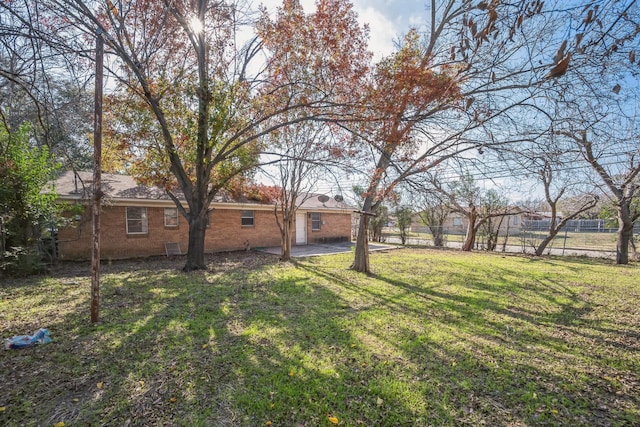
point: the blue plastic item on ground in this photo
(24, 341)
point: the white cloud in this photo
(383, 31)
(385, 19)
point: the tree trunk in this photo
(285, 239)
(543, 245)
(625, 233)
(195, 253)
(437, 235)
(506, 235)
(361, 260)
(470, 238)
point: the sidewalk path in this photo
(326, 249)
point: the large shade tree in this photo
(404, 86)
(469, 68)
(194, 99)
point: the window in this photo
(247, 219)
(457, 221)
(315, 221)
(515, 219)
(170, 217)
(137, 221)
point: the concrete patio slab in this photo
(318, 249)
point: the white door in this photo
(301, 228)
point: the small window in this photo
(515, 219)
(315, 221)
(170, 217)
(247, 219)
(457, 221)
(137, 221)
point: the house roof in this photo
(120, 189)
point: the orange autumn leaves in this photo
(317, 58)
(406, 87)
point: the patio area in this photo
(317, 249)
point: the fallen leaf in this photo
(333, 420)
(100, 384)
(205, 346)
(291, 373)
(3, 408)
(59, 424)
(379, 402)
(173, 400)
(268, 423)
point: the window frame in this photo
(316, 217)
(244, 215)
(144, 220)
(176, 216)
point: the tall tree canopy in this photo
(192, 98)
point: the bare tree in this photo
(433, 212)
(585, 203)
(478, 207)
(593, 104)
(404, 216)
(430, 205)
(302, 153)
(40, 85)
(622, 186)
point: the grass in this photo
(431, 338)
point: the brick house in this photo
(138, 221)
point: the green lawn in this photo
(432, 338)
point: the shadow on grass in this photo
(254, 341)
(550, 347)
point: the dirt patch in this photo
(216, 262)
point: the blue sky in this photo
(387, 19)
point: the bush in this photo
(20, 262)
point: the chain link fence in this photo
(578, 237)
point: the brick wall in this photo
(225, 233)
(334, 227)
